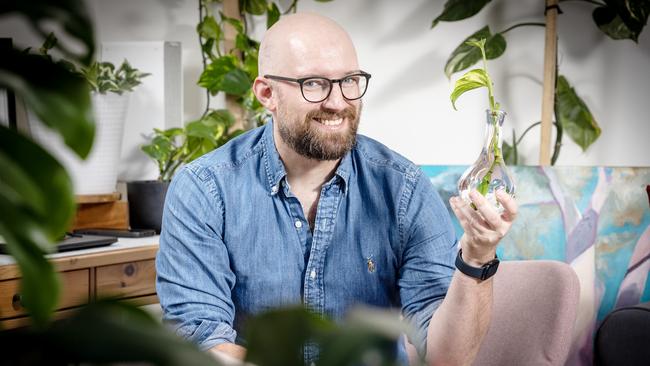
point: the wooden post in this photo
(231, 10)
(548, 92)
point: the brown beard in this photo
(308, 141)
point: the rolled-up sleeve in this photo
(429, 249)
(194, 279)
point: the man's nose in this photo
(335, 100)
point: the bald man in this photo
(305, 210)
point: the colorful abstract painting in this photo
(597, 219)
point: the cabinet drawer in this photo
(75, 287)
(127, 279)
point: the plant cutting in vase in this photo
(489, 173)
(618, 19)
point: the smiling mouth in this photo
(329, 122)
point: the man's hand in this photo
(229, 353)
(483, 227)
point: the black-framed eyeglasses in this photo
(316, 89)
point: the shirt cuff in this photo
(208, 334)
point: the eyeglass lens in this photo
(317, 89)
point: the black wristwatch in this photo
(483, 273)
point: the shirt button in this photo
(298, 224)
(312, 274)
(274, 189)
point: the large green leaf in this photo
(103, 333)
(235, 82)
(70, 14)
(473, 79)
(366, 336)
(208, 28)
(633, 14)
(466, 55)
(459, 9)
(611, 24)
(58, 97)
(574, 116)
(37, 199)
(224, 75)
(283, 329)
(272, 15)
(255, 7)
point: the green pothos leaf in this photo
(466, 55)
(459, 9)
(473, 79)
(272, 14)
(574, 116)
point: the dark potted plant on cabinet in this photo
(171, 149)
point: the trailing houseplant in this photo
(618, 19)
(489, 173)
(38, 204)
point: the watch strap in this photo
(482, 273)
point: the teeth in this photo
(331, 122)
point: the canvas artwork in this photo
(597, 219)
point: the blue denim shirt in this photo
(235, 240)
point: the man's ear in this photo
(264, 93)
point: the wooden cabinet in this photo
(124, 271)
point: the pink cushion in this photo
(535, 305)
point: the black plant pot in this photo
(146, 201)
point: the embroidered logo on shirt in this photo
(371, 264)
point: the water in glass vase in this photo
(489, 173)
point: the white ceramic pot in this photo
(98, 173)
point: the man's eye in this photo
(316, 83)
(350, 80)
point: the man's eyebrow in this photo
(356, 71)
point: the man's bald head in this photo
(300, 43)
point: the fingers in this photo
(469, 219)
(509, 204)
(486, 210)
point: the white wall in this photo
(407, 106)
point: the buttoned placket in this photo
(314, 292)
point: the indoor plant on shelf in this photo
(170, 149)
(110, 89)
(489, 173)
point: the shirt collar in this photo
(275, 168)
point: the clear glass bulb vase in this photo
(489, 173)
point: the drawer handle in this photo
(17, 302)
(129, 270)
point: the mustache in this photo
(349, 113)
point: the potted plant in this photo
(110, 87)
(489, 173)
(170, 149)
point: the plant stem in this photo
(203, 59)
(556, 147)
(526, 131)
(489, 86)
(523, 25)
